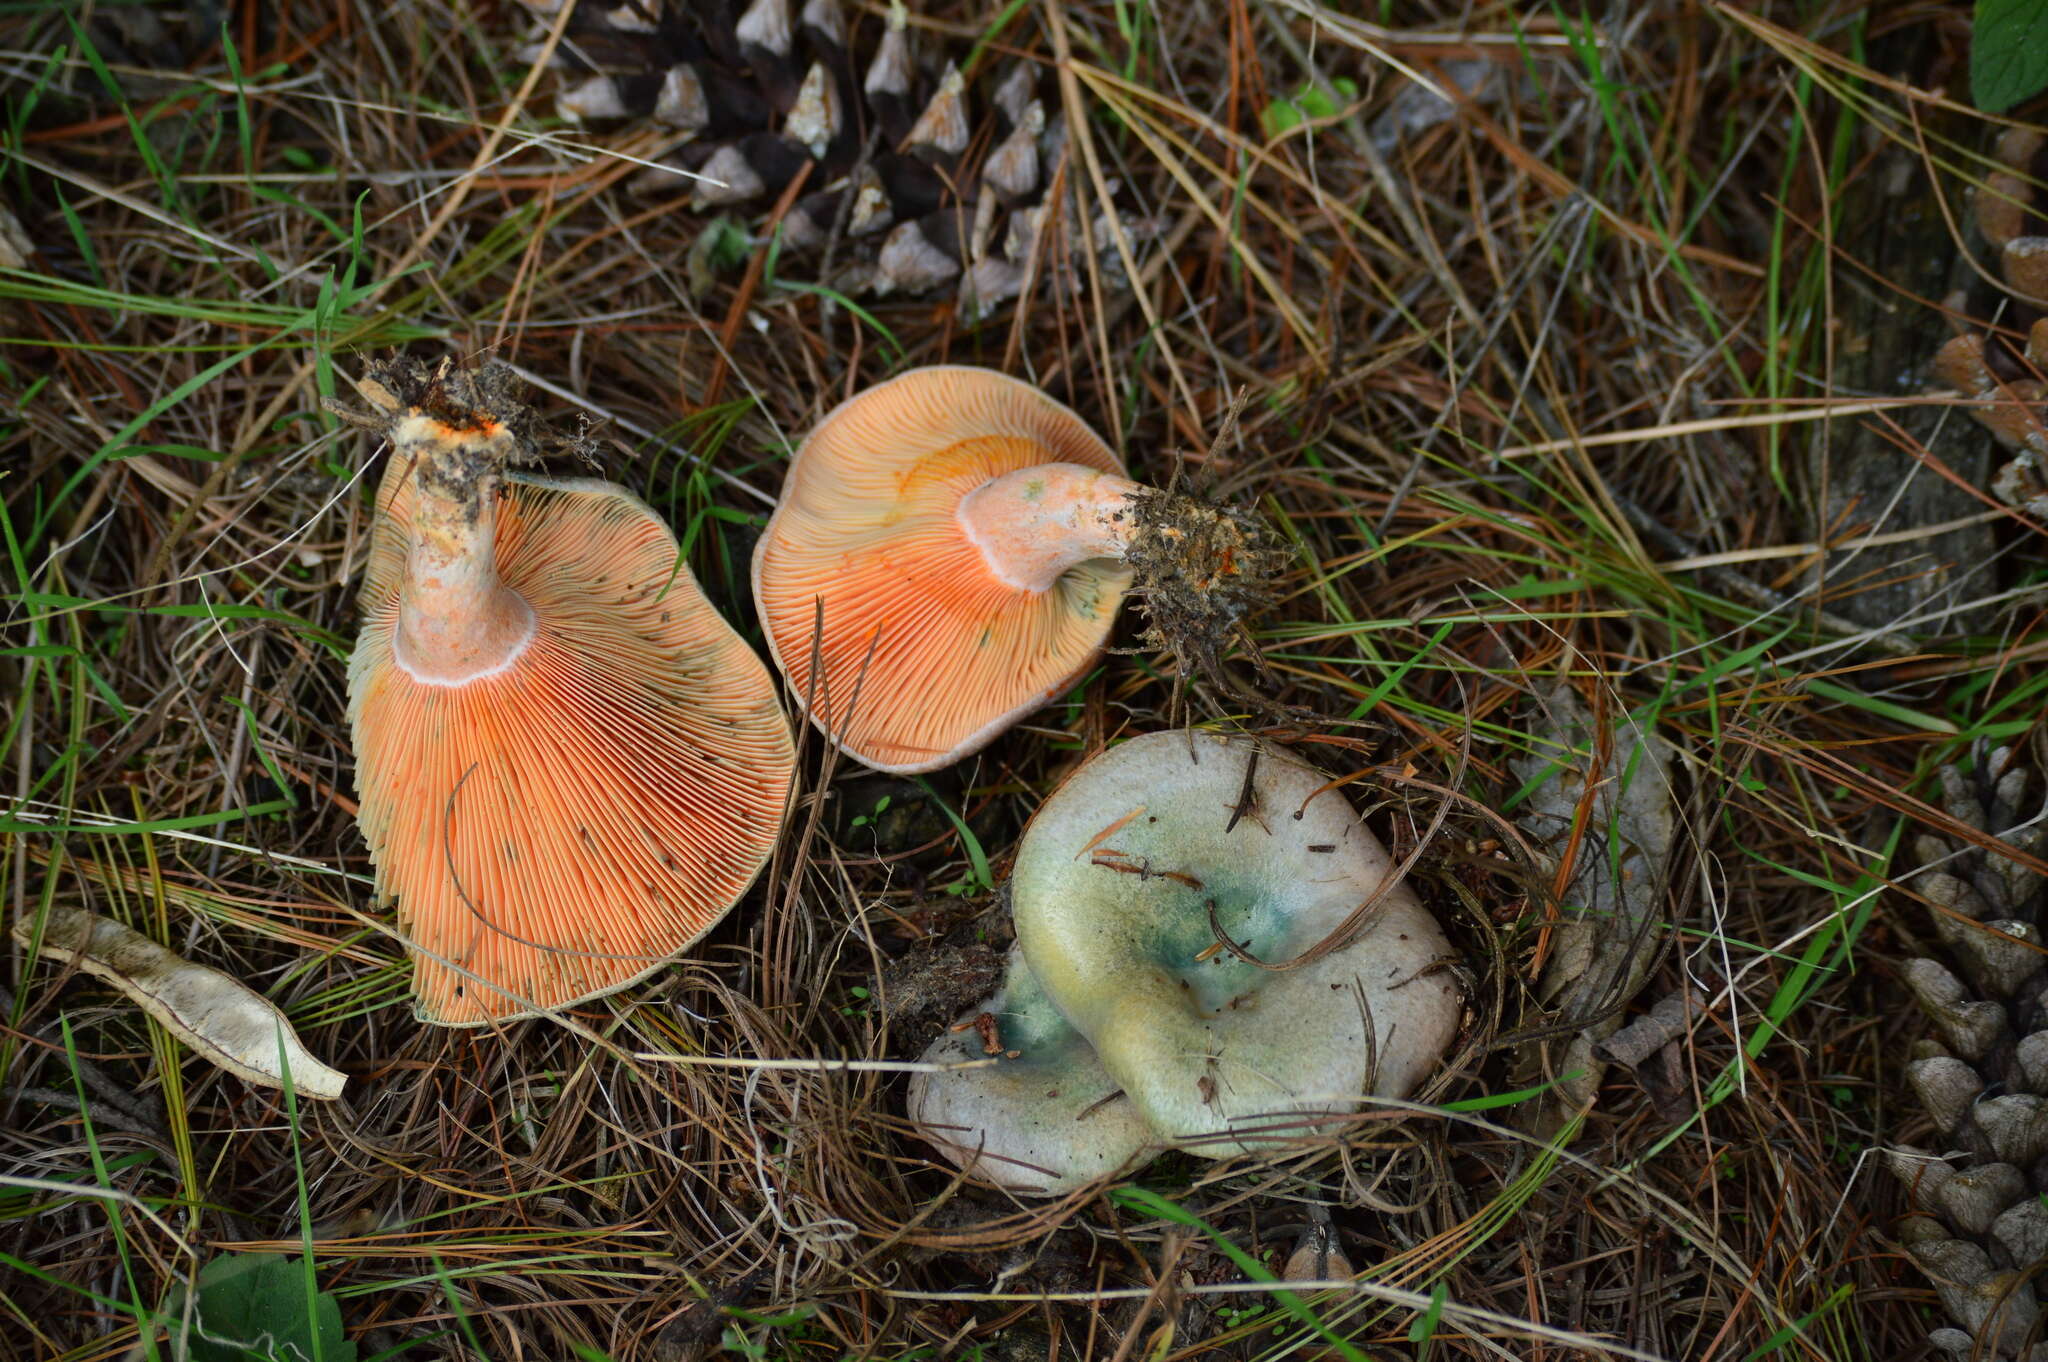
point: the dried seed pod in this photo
(1012, 169)
(219, 1017)
(2032, 1056)
(1318, 1257)
(728, 177)
(2022, 1231)
(1016, 92)
(1946, 1087)
(760, 89)
(940, 133)
(816, 120)
(888, 80)
(1996, 1306)
(824, 23)
(2025, 262)
(682, 103)
(2016, 1125)
(2011, 400)
(912, 261)
(1970, 1027)
(1999, 955)
(1921, 1171)
(1992, 1225)
(765, 28)
(594, 99)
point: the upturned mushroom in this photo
(570, 767)
(951, 546)
(1042, 1115)
(1213, 954)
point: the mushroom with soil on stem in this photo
(570, 767)
(951, 547)
(1213, 954)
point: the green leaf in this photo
(1422, 1329)
(891, 348)
(2008, 53)
(1279, 116)
(977, 858)
(1508, 1099)
(1148, 1202)
(1315, 104)
(723, 246)
(253, 1307)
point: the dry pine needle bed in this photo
(1559, 427)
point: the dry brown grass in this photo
(1404, 316)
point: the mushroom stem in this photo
(457, 621)
(1036, 523)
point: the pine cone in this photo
(1979, 1227)
(915, 182)
(2013, 384)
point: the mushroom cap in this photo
(1114, 885)
(868, 526)
(1045, 1117)
(566, 826)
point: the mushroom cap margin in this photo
(1044, 1118)
(602, 802)
(868, 524)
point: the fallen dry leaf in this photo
(1613, 922)
(217, 1015)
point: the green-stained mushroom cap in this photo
(1124, 880)
(1126, 1024)
(1044, 1117)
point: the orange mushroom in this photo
(952, 546)
(570, 767)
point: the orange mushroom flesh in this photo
(570, 766)
(957, 533)
(952, 546)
